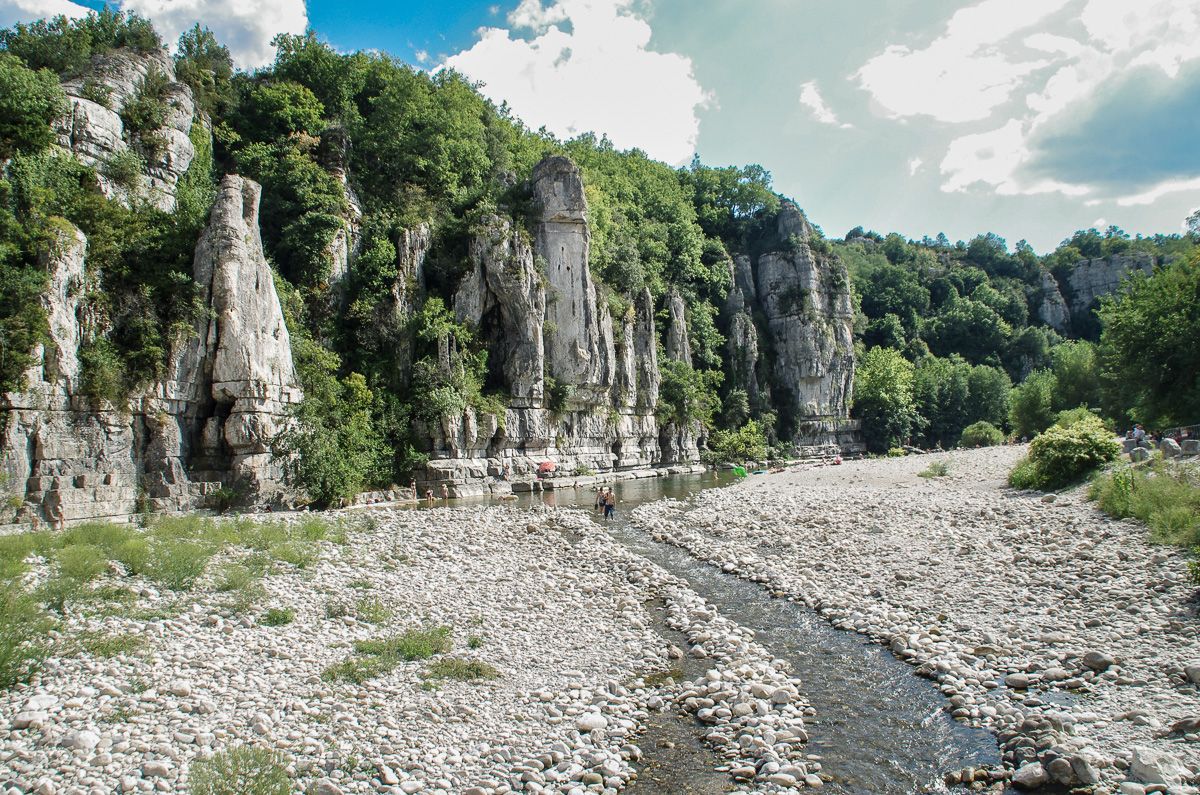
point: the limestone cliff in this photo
(93, 130)
(197, 436)
(535, 302)
(801, 293)
(1067, 304)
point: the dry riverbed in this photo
(531, 634)
(1065, 632)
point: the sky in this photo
(1027, 118)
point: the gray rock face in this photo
(574, 347)
(247, 351)
(174, 445)
(535, 304)
(503, 298)
(1053, 310)
(805, 298)
(94, 132)
(1092, 278)
(678, 348)
(64, 261)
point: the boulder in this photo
(1157, 767)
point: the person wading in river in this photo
(610, 504)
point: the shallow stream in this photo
(879, 729)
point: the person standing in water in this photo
(610, 504)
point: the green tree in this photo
(29, 103)
(687, 394)
(990, 389)
(1032, 404)
(1077, 372)
(969, 328)
(1148, 347)
(883, 398)
(942, 395)
(205, 66)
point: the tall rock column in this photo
(575, 346)
(246, 347)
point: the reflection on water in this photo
(879, 729)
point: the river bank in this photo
(1066, 633)
(554, 626)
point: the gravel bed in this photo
(1065, 632)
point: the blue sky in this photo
(1028, 118)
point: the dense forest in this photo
(948, 333)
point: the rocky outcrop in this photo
(504, 299)
(199, 436)
(1090, 279)
(1053, 310)
(93, 131)
(535, 304)
(243, 351)
(347, 240)
(803, 293)
(575, 349)
(1067, 304)
(678, 347)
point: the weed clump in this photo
(241, 771)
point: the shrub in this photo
(124, 169)
(1031, 406)
(937, 469)
(278, 617)
(748, 443)
(1165, 497)
(1065, 419)
(241, 771)
(1062, 456)
(22, 631)
(981, 434)
(372, 611)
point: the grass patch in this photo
(460, 670)
(102, 645)
(362, 585)
(372, 611)
(937, 469)
(336, 609)
(241, 771)
(379, 656)
(177, 564)
(278, 617)
(236, 577)
(1164, 496)
(474, 642)
(23, 628)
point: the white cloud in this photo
(810, 97)
(246, 27)
(914, 165)
(598, 76)
(1158, 191)
(14, 11)
(962, 76)
(982, 62)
